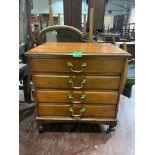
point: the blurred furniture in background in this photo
(99, 11)
(129, 31)
(41, 21)
(118, 23)
(130, 48)
(24, 77)
(72, 13)
(131, 74)
(63, 33)
(107, 37)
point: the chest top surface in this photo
(67, 49)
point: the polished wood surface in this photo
(61, 81)
(124, 76)
(92, 65)
(92, 83)
(98, 97)
(88, 49)
(91, 111)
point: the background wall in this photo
(41, 6)
(118, 8)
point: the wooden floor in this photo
(81, 139)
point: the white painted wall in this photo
(57, 6)
(132, 15)
(84, 7)
(41, 6)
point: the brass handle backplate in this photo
(76, 102)
(83, 81)
(77, 115)
(69, 64)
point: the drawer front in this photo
(75, 82)
(56, 65)
(90, 111)
(96, 97)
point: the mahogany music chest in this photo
(78, 82)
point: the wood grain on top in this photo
(59, 49)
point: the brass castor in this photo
(111, 129)
(40, 128)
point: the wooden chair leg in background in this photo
(51, 15)
(91, 25)
(59, 19)
(113, 40)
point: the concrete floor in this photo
(83, 139)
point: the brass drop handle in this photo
(69, 64)
(83, 81)
(76, 115)
(76, 102)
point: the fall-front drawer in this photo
(64, 110)
(77, 82)
(78, 65)
(97, 97)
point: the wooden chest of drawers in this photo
(78, 82)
